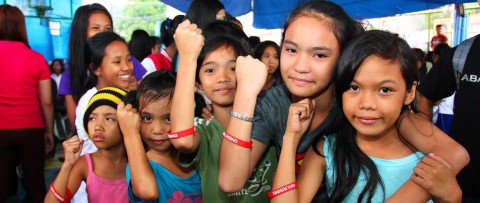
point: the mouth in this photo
(366, 120)
(224, 90)
(125, 78)
(98, 138)
(158, 142)
(300, 81)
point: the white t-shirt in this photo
(88, 146)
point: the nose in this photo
(224, 75)
(127, 66)
(99, 125)
(367, 101)
(160, 128)
(301, 64)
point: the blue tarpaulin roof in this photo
(271, 14)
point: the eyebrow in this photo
(213, 62)
(381, 82)
(316, 48)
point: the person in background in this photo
(163, 59)
(155, 44)
(421, 64)
(57, 67)
(26, 121)
(440, 37)
(203, 12)
(268, 52)
(139, 45)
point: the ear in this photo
(410, 94)
(199, 86)
(96, 71)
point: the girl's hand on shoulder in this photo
(251, 74)
(435, 175)
(189, 40)
(72, 148)
(128, 119)
(299, 116)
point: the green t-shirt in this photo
(206, 160)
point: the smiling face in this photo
(308, 57)
(270, 58)
(98, 22)
(375, 98)
(103, 127)
(217, 76)
(155, 124)
(116, 67)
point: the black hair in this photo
(95, 51)
(155, 86)
(441, 49)
(167, 29)
(253, 41)
(343, 26)
(420, 56)
(217, 42)
(224, 28)
(349, 161)
(76, 51)
(139, 45)
(202, 12)
(61, 64)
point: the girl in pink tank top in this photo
(104, 170)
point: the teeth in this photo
(124, 76)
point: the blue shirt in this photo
(171, 188)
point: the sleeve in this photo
(44, 70)
(262, 128)
(440, 80)
(149, 65)
(138, 69)
(65, 88)
(131, 195)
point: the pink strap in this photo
(89, 163)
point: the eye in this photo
(291, 51)
(146, 119)
(91, 118)
(110, 119)
(385, 90)
(319, 55)
(116, 62)
(108, 29)
(354, 88)
(209, 70)
(167, 119)
(232, 69)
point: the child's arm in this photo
(427, 138)
(189, 42)
(251, 75)
(70, 175)
(299, 116)
(142, 178)
(436, 176)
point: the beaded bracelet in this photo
(181, 134)
(241, 117)
(60, 197)
(281, 190)
(237, 141)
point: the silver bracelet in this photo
(241, 117)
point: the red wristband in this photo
(60, 197)
(237, 141)
(281, 190)
(181, 134)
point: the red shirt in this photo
(437, 39)
(21, 69)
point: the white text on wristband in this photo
(281, 190)
(237, 141)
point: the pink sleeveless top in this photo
(103, 190)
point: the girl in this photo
(375, 81)
(88, 20)
(315, 34)
(109, 60)
(156, 176)
(103, 171)
(268, 53)
(215, 67)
